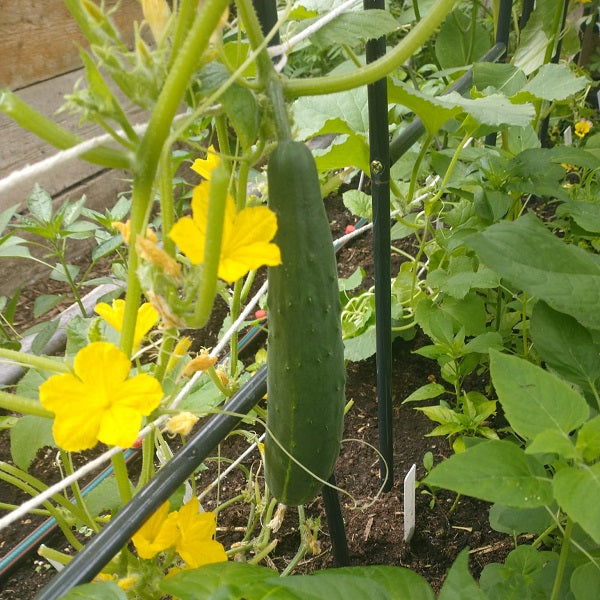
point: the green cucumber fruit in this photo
(305, 359)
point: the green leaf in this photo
(59, 272)
(46, 302)
(553, 82)
(496, 471)
(398, 582)
(39, 203)
(334, 586)
(104, 497)
(349, 283)
(457, 44)
(344, 151)
(501, 77)
(515, 521)
(27, 437)
(585, 214)
(104, 590)
(344, 112)
(577, 491)
(8, 422)
(534, 400)
(459, 583)
(351, 28)
(529, 256)
(585, 582)
(552, 441)
(483, 343)
(203, 398)
(565, 345)
(6, 216)
(14, 247)
(226, 580)
(425, 392)
(43, 337)
(361, 346)
(358, 203)
(588, 439)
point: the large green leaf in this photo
(585, 582)
(399, 583)
(104, 590)
(585, 214)
(344, 112)
(577, 491)
(345, 151)
(535, 401)
(27, 437)
(565, 345)
(553, 83)
(496, 471)
(461, 40)
(459, 583)
(502, 77)
(525, 253)
(352, 28)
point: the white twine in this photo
(46, 165)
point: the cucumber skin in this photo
(305, 359)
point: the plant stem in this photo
(379, 68)
(25, 406)
(35, 362)
(120, 469)
(562, 559)
(303, 548)
(147, 156)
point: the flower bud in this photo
(182, 423)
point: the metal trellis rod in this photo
(379, 144)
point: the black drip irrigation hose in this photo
(379, 145)
(103, 547)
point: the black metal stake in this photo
(335, 524)
(380, 196)
(100, 550)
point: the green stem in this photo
(120, 469)
(68, 463)
(524, 325)
(46, 129)
(35, 362)
(379, 68)
(33, 511)
(562, 560)
(415, 170)
(49, 553)
(147, 471)
(235, 313)
(222, 135)
(147, 156)
(185, 18)
(303, 548)
(22, 405)
(167, 210)
(217, 200)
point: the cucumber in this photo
(305, 358)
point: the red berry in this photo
(260, 313)
(350, 228)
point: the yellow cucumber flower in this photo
(178, 353)
(158, 533)
(147, 317)
(156, 14)
(246, 242)
(181, 423)
(205, 166)
(202, 362)
(582, 127)
(196, 530)
(188, 529)
(99, 402)
(152, 252)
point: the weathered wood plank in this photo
(39, 38)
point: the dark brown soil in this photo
(374, 524)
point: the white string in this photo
(46, 165)
(305, 33)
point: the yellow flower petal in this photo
(195, 544)
(158, 533)
(99, 402)
(186, 235)
(182, 423)
(205, 167)
(147, 317)
(246, 242)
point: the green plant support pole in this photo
(266, 11)
(380, 194)
(502, 31)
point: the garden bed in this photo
(374, 533)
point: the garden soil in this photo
(373, 519)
